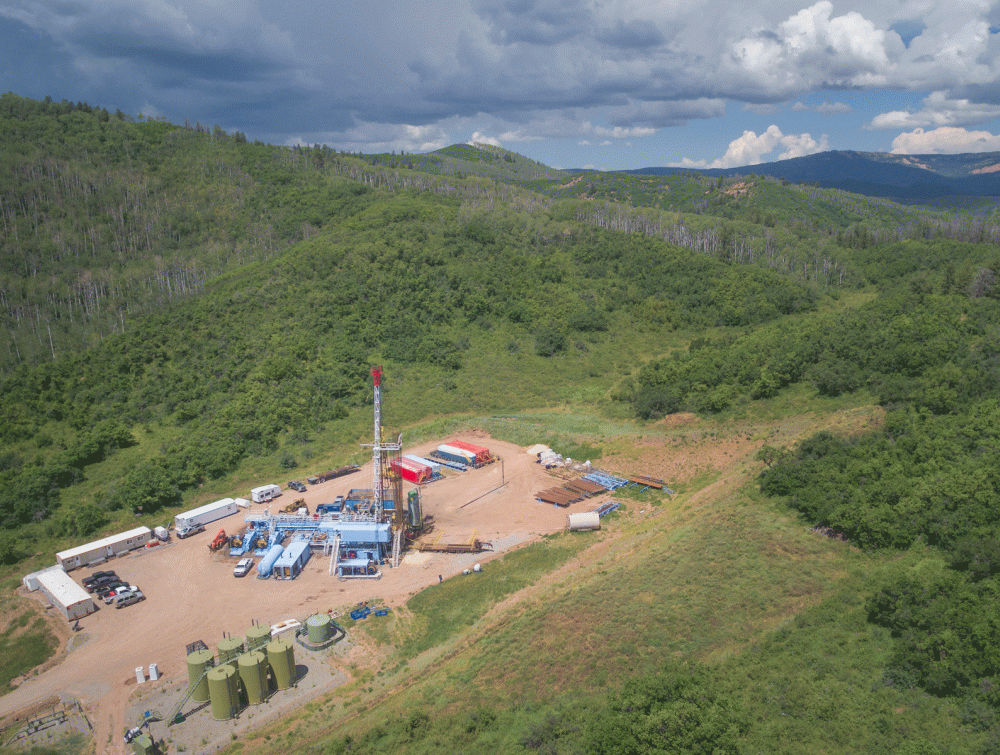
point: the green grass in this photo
(443, 611)
(72, 744)
(24, 644)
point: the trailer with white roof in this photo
(102, 550)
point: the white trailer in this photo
(265, 493)
(102, 550)
(30, 581)
(205, 514)
(65, 595)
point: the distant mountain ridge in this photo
(876, 174)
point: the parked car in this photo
(243, 567)
(102, 582)
(297, 486)
(312, 480)
(119, 592)
(105, 590)
(129, 599)
(91, 578)
(190, 530)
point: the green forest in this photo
(182, 305)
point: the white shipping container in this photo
(210, 512)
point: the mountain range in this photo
(876, 174)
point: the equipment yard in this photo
(191, 592)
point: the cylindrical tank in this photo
(318, 628)
(253, 672)
(585, 520)
(413, 506)
(230, 648)
(258, 636)
(267, 563)
(281, 658)
(225, 694)
(197, 662)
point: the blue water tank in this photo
(267, 563)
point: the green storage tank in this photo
(224, 690)
(253, 672)
(258, 636)
(318, 628)
(197, 662)
(230, 648)
(281, 658)
(143, 745)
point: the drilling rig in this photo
(387, 484)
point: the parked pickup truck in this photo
(243, 567)
(190, 530)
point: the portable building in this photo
(265, 493)
(411, 471)
(210, 512)
(482, 454)
(101, 550)
(452, 453)
(30, 581)
(434, 465)
(65, 595)
(289, 565)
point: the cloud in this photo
(946, 140)
(824, 108)
(938, 110)
(478, 138)
(750, 149)
(512, 70)
(814, 49)
(618, 132)
(383, 137)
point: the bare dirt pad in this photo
(192, 594)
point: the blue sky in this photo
(571, 83)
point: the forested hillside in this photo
(183, 307)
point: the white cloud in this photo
(618, 132)
(478, 138)
(813, 48)
(946, 140)
(824, 108)
(833, 108)
(750, 149)
(938, 110)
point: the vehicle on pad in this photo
(90, 579)
(191, 529)
(101, 582)
(105, 590)
(119, 592)
(129, 599)
(297, 486)
(243, 567)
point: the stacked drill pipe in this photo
(559, 496)
(606, 479)
(586, 487)
(649, 482)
